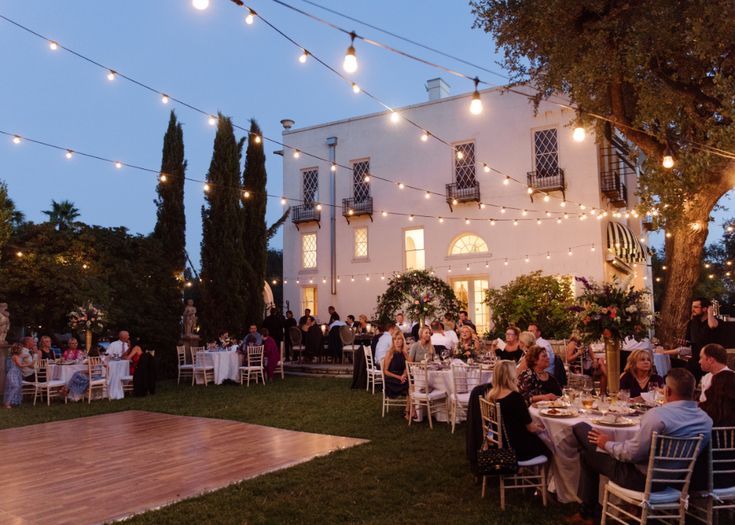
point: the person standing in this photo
(333, 315)
(701, 331)
(464, 320)
(288, 323)
(121, 346)
(304, 318)
(712, 360)
(274, 322)
(540, 341)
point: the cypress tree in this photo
(255, 232)
(170, 227)
(223, 287)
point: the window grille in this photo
(311, 186)
(546, 151)
(360, 188)
(464, 167)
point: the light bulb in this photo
(200, 4)
(524, 213)
(355, 87)
(69, 154)
(548, 255)
(296, 154)
(401, 185)
(212, 120)
(486, 168)
(16, 139)
(476, 104)
(394, 117)
(367, 178)
(538, 222)
(505, 262)
(164, 99)
(118, 164)
(506, 181)
(350, 212)
(206, 187)
(441, 219)
(53, 45)
(547, 198)
(454, 202)
(384, 213)
(283, 201)
(668, 161)
(467, 221)
(529, 190)
(460, 155)
(563, 204)
(333, 167)
(163, 178)
(502, 209)
(424, 136)
(319, 207)
(593, 248)
(111, 75)
(483, 206)
(350, 62)
(410, 217)
(515, 222)
(427, 195)
(257, 139)
(492, 222)
(246, 194)
(250, 18)
(304, 56)
(569, 252)
(578, 134)
(527, 259)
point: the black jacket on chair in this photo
(144, 378)
(474, 436)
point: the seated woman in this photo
(362, 322)
(720, 406)
(271, 353)
(78, 384)
(422, 349)
(638, 375)
(13, 394)
(73, 352)
(394, 368)
(525, 341)
(522, 432)
(133, 355)
(512, 350)
(581, 361)
(535, 383)
(468, 346)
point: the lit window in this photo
(414, 247)
(308, 299)
(308, 250)
(464, 165)
(468, 243)
(361, 243)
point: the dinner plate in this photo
(618, 422)
(622, 411)
(549, 404)
(558, 412)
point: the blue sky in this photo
(210, 59)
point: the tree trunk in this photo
(683, 252)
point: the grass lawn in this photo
(404, 475)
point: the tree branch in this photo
(648, 144)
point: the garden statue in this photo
(190, 318)
(4, 321)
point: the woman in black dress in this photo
(535, 383)
(521, 432)
(512, 350)
(396, 375)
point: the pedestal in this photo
(4, 350)
(613, 348)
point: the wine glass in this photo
(624, 396)
(603, 405)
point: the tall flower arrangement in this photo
(87, 317)
(611, 311)
(417, 293)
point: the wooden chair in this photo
(391, 401)
(45, 383)
(670, 462)
(200, 366)
(97, 373)
(464, 379)
(185, 369)
(374, 375)
(420, 393)
(297, 345)
(705, 506)
(279, 365)
(347, 336)
(194, 350)
(254, 365)
(532, 473)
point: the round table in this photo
(116, 371)
(442, 380)
(565, 466)
(226, 366)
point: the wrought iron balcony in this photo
(466, 192)
(547, 180)
(304, 213)
(614, 189)
(352, 208)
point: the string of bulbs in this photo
(667, 157)
(113, 74)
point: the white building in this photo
(346, 236)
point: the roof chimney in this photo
(437, 88)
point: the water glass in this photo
(624, 396)
(603, 405)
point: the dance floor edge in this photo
(111, 466)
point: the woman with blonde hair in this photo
(512, 348)
(525, 341)
(638, 375)
(521, 432)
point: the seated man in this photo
(712, 360)
(121, 346)
(403, 325)
(626, 461)
(543, 343)
(384, 344)
(439, 338)
(253, 338)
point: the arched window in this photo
(468, 243)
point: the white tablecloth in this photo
(226, 366)
(565, 467)
(64, 372)
(116, 370)
(442, 380)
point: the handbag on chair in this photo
(494, 461)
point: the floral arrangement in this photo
(612, 310)
(421, 305)
(86, 317)
(417, 293)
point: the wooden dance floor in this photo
(102, 468)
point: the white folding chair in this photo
(45, 383)
(532, 473)
(297, 346)
(391, 401)
(705, 506)
(374, 375)
(464, 379)
(254, 365)
(421, 394)
(97, 372)
(279, 365)
(200, 366)
(671, 463)
(185, 369)
(347, 336)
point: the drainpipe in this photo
(332, 145)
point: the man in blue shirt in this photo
(625, 462)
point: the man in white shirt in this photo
(402, 324)
(384, 343)
(543, 343)
(119, 347)
(713, 360)
(439, 338)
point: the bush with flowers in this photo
(87, 317)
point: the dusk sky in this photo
(210, 59)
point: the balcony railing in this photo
(547, 180)
(353, 208)
(305, 213)
(614, 189)
(465, 192)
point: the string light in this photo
(492, 222)
(355, 87)
(424, 136)
(506, 180)
(502, 209)
(401, 185)
(206, 187)
(506, 262)
(547, 198)
(460, 155)
(485, 167)
(529, 190)
(668, 159)
(367, 178)
(111, 75)
(53, 45)
(304, 56)
(476, 103)
(410, 217)
(384, 214)
(118, 164)
(441, 220)
(454, 202)
(16, 139)
(212, 120)
(579, 134)
(350, 61)
(527, 259)
(570, 252)
(69, 154)
(548, 255)
(467, 221)
(427, 195)
(164, 99)
(163, 177)
(296, 154)
(283, 201)
(257, 139)
(524, 212)
(251, 17)
(200, 4)
(333, 167)
(319, 207)
(394, 117)
(246, 194)
(515, 222)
